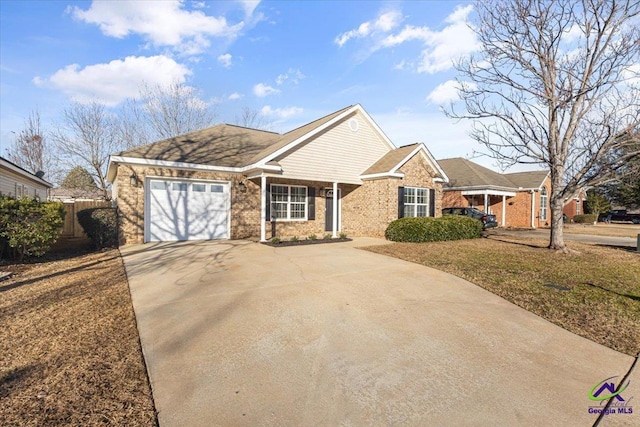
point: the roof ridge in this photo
(246, 127)
(318, 119)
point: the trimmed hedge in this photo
(101, 226)
(426, 229)
(585, 219)
(28, 226)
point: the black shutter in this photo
(400, 202)
(311, 195)
(432, 202)
(268, 214)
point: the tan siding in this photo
(337, 154)
(8, 180)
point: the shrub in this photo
(312, 237)
(28, 226)
(327, 237)
(343, 235)
(294, 239)
(585, 219)
(100, 225)
(426, 229)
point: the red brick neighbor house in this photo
(337, 174)
(575, 205)
(516, 199)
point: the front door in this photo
(328, 210)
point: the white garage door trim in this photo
(147, 202)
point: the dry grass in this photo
(70, 348)
(602, 229)
(602, 302)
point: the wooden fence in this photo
(72, 227)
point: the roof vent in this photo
(354, 125)
(40, 174)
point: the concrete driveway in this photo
(236, 333)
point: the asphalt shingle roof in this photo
(465, 173)
(390, 160)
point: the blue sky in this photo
(294, 61)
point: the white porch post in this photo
(263, 208)
(335, 210)
(533, 209)
(486, 203)
(504, 210)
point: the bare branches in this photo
(552, 85)
(252, 119)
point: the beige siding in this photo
(12, 184)
(337, 154)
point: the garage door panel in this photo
(180, 210)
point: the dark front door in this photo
(328, 211)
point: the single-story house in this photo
(18, 182)
(337, 174)
(518, 199)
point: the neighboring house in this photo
(18, 182)
(70, 195)
(339, 173)
(575, 205)
(516, 199)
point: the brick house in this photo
(339, 173)
(575, 205)
(516, 199)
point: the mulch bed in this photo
(284, 243)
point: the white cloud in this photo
(384, 23)
(249, 6)
(447, 92)
(162, 23)
(234, 96)
(225, 60)
(261, 90)
(281, 113)
(294, 75)
(112, 82)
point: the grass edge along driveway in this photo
(594, 294)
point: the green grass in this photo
(602, 300)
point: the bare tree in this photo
(163, 111)
(31, 149)
(87, 138)
(554, 84)
(252, 119)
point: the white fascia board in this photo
(489, 192)
(24, 173)
(192, 166)
(382, 175)
(378, 129)
(298, 178)
(428, 157)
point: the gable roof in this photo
(232, 148)
(8, 165)
(389, 164)
(464, 173)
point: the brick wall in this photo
(366, 210)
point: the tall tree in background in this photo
(252, 119)
(555, 83)
(31, 149)
(161, 112)
(79, 178)
(87, 137)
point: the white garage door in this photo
(187, 210)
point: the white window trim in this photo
(544, 206)
(416, 204)
(289, 203)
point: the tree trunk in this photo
(556, 240)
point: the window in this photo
(416, 201)
(179, 186)
(198, 188)
(217, 188)
(289, 202)
(543, 203)
(158, 185)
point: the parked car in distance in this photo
(620, 215)
(488, 220)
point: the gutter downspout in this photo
(263, 208)
(533, 208)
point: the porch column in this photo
(533, 209)
(504, 210)
(486, 202)
(263, 208)
(335, 210)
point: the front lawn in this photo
(70, 347)
(595, 294)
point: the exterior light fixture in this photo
(133, 180)
(242, 187)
